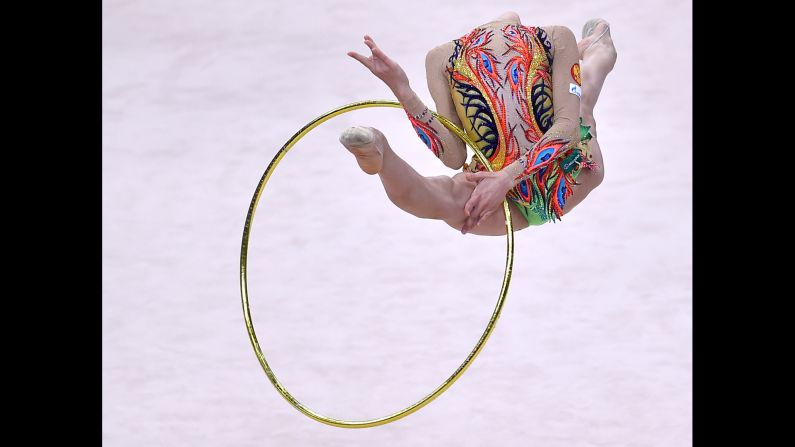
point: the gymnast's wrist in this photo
(404, 93)
(512, 172)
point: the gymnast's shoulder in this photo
(438, 56)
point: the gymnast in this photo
(521, 94)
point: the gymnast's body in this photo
(525, 96)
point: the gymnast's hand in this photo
(383, 68)
(486, 198)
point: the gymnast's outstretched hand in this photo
(486, 197)
(383, 68)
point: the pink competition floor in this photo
(361, 308)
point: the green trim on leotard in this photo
(534, 213)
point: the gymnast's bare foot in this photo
(366, 143)
(597, 44)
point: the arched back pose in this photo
(521, 94)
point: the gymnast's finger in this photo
(376, 50)
(470, 205)
(374, 47)
(379, 52)
(369, 42)
(484, 217)
(472, 177)
(364, 60)
(471, 223)
(477, 205)
(468, 222)
(475, 211)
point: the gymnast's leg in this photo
(598, 58)
(439, 197)
(425, 197)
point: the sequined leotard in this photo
(501, 78)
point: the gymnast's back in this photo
(508, 86)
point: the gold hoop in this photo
(244, 283)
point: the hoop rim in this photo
(244, 276)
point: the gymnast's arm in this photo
(444, 144)
(565, 130)
(454, 150)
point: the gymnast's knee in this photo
(597, 176)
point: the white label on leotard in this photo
(575, 89)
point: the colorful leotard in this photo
(501, 79)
